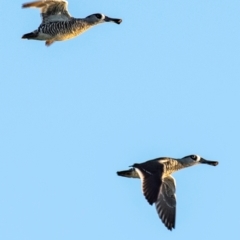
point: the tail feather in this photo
(131, 173)
(31, 35)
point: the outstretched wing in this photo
(166, 202)
(51, 10)
(151, 178)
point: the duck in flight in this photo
(58, 25)
(158, 186)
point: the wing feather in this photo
(151, 180)
(51, 10)
(166, 202)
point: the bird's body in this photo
(58, 25)
(159, 186)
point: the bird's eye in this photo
(194, 157)
(98, 15)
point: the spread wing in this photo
(51, 10)
(151, 178)
(166, 202)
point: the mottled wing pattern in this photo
(166, 202)
(51, 10)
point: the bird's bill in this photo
(213, 163)
(115, 20)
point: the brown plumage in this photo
(58, 25)
(158, 186)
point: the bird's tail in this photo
(31, 35)
(131, 173)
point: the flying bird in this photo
(158, 186)
(58, 25)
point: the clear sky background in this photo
(165, 82)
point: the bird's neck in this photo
(85, 22)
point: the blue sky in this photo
(165, 82)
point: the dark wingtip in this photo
(37, 4)
(25, 5)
